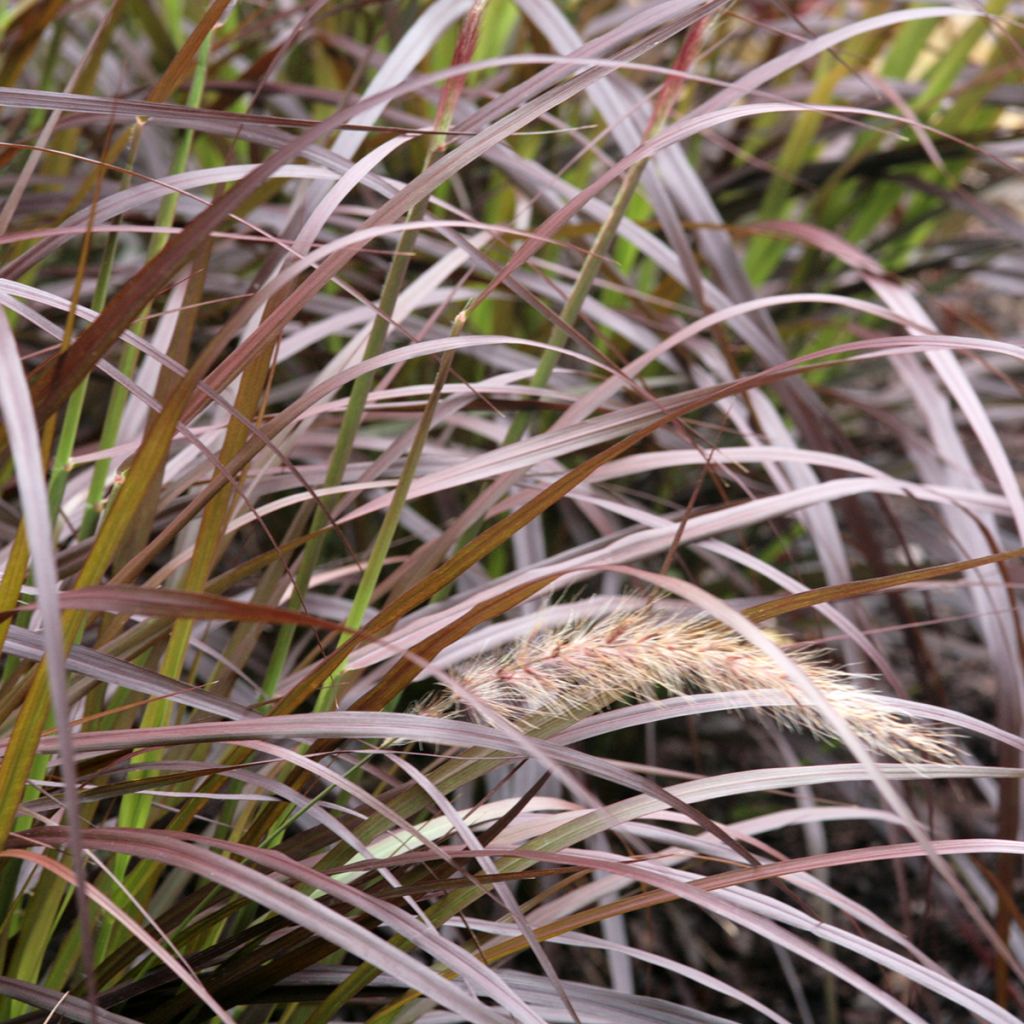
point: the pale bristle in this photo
(569, 673)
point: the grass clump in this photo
(421, 423)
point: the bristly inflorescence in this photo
(568, 673)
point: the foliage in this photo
(345, 346)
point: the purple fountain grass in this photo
(570, 672)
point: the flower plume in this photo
(568, 673)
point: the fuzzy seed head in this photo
(568, 673)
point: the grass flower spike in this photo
(568, 673)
